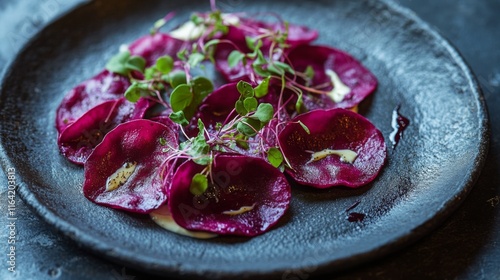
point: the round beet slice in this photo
(215, 108)
(103, 87)
(337, 130)
(151, 47)
(297, 35)
(246, 198)
(78, 140)
(125, 171)
(327, 61)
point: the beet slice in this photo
(350, 71)
(78, 140)
(136, 142)
(151, 47)
(103, 87)
(297, 35)
(239, 182)
(215, 108)
(335, 129)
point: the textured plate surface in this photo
(426, 178)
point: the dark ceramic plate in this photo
(427, 176)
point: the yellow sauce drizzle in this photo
(240, 211)
(340, 90)
(346, 156)
(120, 176)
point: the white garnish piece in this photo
(240, 211)
(188, 31)
(340, 90)
(120, 176)
(163, 218)
(346, 156)
(124, 48)
(230, 19)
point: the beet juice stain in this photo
(355, 217)
(399, 124)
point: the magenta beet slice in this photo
(151, 47)
(215, 108)
(78, 140)
(239, 182)
(298, 35)
(103, 87)
(335, 129)
(136, 142)
(350, 71)
(231, 74)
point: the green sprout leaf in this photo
(264, 113)
(182, 54)
(262, 89)
(240, 108)
(234, 58)
(137, 90)
(253, 44)
(245, 89)
(179, 118)
(211, 43)
(117, 64)
(181, 97)
(202, 86)
(197, 19)
(249, 127)
(157, 25)
(242, 141)
(250, 41)
(162, 141)
(123, 63)
(280, 68)
(259, 70)
(176, 78)
(250, 104)
(200, 146)
(150, 73)
(275, 157)
(199, 184)
(165, 64)
(195, 59)
(261, 60)
(305, 127)
(136, 63)
(309, 72)
(299, 105)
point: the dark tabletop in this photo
(466, 246)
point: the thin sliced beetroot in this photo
(103, 87)
(350, 71)
(335, 129)
(239, 181)
(78, 140)
(297, 35)
(151, 47)
(137, 141)
(215, 108)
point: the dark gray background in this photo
(466, 246)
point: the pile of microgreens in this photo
(178, 90)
